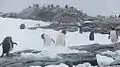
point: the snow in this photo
(60, 65)
(64, 65)
(51, 53)
(30, 39)
(84, 65)
(34, 66)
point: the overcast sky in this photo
(91, 7)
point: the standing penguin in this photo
(113, 35)
(47, 40)
(7, 45)
(91, 36)
(60, 41)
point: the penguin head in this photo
(113, 28)
(7, 38)
(64, 32)
(42, 36)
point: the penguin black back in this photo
(42, 36)
(91, 36)
(7, 44)
(64, 32)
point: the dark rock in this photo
(79, 58)
(94, 48)
(16, 65)
(22, 26)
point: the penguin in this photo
(47, 40)
(91, 36)
(60, 40)
(113, 35)
(80, 29)
(7, 45)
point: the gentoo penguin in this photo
(91, 36)
(7, 45)
(113, 35)
(47, 40)
(60, 40)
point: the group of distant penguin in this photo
(113, 35)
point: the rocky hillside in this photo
(51, 13)
(67, 17)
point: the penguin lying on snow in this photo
(7, 45)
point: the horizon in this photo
(91, 7)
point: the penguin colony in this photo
(8, 44)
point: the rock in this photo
(22, 26)
(25, 58)
(16, 65)
(97, 48)
(79, 58)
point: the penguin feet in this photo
(1, 56)
(9, 54)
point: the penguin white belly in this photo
(60, 41)
(10, 46)
(47, 41)
(114, 37)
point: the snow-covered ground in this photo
(30, 39)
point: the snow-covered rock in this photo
(104, 61)
(34, 66)
(109, 53)
(49, 53)
(84, 65)
(60, 65)
(117, 54)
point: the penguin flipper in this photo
(1, 43)
(14, 43)
(109, 37)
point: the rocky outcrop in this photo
(18, 58)
(97, 48)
